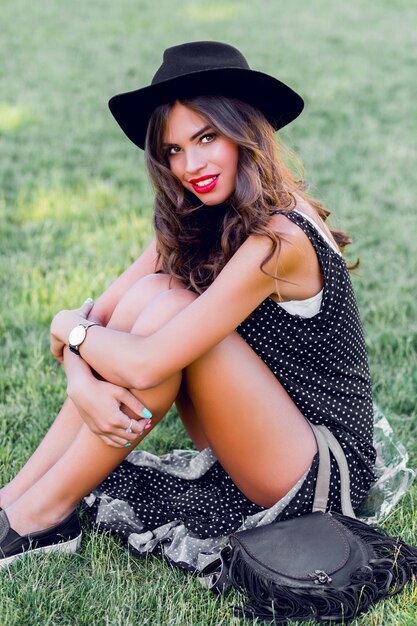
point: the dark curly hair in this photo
(194, 241)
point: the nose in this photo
(195, 161)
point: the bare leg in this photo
(68, 422)
(189, 417)
(254, 428)
(61, 434)
(88, 460)
(231, 401)
(252, 425)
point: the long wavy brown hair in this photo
(195, 241)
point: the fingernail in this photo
(148, 425)
(127, 445)
(89, 300)
(146, 414)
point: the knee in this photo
(138, 296)
(154, 283)
(149, 287)
(161, 309)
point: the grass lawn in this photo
(75, 210)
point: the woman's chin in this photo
(213, 198)
(210, 199)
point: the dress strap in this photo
(314, 225)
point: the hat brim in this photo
(278, 102)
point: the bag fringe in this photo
(394, 564)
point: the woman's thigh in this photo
(254, 428)
(229, 399)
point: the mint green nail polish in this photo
(146, 414)
(127, 445)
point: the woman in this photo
(241, 312)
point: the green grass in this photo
(75, 210)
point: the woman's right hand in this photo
(104, 406)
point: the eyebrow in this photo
(197, 134)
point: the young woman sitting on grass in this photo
(241, 312)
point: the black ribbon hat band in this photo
(204, 68)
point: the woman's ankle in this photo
(26, 519)
(5, 498)
(15, 489)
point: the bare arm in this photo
(144, 362)
(104, 407)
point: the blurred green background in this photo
(75, 210)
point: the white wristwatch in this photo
(77, 336)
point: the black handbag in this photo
(323, 566)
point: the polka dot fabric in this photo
(321, 361)
(184, 507)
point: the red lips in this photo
(213, 178)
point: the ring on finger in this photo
(129, 428)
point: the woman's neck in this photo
(207, 223)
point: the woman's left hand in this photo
(63, 323)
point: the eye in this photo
(208, 137)
(173, 150)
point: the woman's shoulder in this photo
(282, 226)
(293, 240)
(306, 209)
(295, 260)
(300, 206)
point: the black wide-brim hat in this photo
(204, 68)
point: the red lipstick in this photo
(211, 183)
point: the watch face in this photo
(77, 336)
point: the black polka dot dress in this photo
(183, 505)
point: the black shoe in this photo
(63, 537)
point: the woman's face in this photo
(203, 161)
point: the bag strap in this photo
(321, 495)
(327, 441)
(215, 575)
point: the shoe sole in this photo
(66, 547)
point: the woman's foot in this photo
(62, 537)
